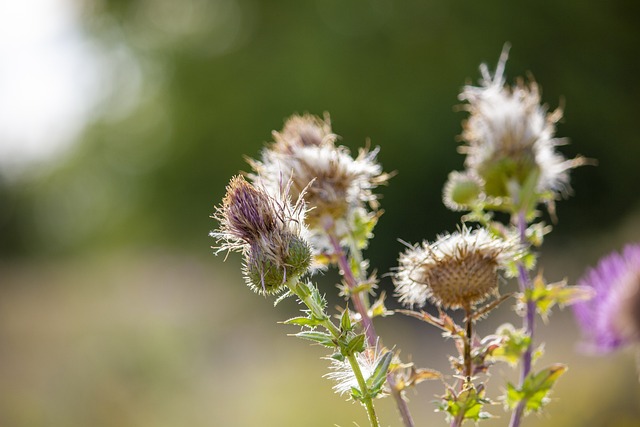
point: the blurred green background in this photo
(121, 122)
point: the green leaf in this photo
(379, 375)
(354, 345)
(345, 321)
(514, 343)
(535, 389)
(469, 402)
(337, 356)
(302, 321)
(362, 225)
(356, 394)
(546, 296)
(318, 337)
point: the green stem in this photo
(361, 303)
(366, 399)
(318, 312)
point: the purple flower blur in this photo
(611, 319)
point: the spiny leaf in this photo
(514, 343)
(302, 321)
(546, 296)
(318, 337)
(469, 402)
(535, 389)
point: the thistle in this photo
(611, 319)
(511, 167)
(510, 142)
(337, 185)
(267, 231)
(458, 270)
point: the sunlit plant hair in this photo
(457, 270)
(268, 230)
(510, 141)
(341, 185)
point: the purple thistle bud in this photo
(246, 212)
(268, 231)
(612, 318)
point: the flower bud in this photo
(462, 191)
(267, 274)
(268, 231)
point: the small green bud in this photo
(461, 191)
(270, 267)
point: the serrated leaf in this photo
(546, 296)
(535, 388)
(302, 321)
(513, 344)
(362, 226)
(318, 337)
(469, 402)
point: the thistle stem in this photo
(468, 369)
(360, 303)
(468, 365)
(366, 400)
(358, 298)
(318, 311)
(528, 322)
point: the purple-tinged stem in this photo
(356, 297)
(360, 305)
(529, 322)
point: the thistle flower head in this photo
(459, 270)
(510, 137)
(305, 152)
(611, 319)
(267, 230)
(303, 131)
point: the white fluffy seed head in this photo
(509, 136)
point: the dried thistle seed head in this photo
(510, 136)
(303, 131)
(267, 230)
(459, 270)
